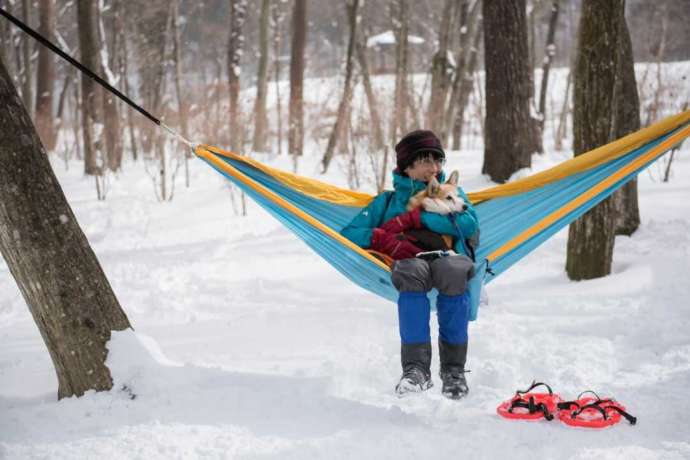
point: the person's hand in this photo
(395, 245)
(405, 221)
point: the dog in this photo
(439, 198)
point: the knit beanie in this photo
(415, 143)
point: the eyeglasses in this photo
(430, 161)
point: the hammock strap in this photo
(86, 71)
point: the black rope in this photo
(45, 42)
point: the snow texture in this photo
(248, 345)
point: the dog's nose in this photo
(464, 207)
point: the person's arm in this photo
(467, 221)
(360, 229)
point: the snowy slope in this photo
(248, 345)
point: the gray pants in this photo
(449, 275)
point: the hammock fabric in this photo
(515, 217)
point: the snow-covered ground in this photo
(248, 345)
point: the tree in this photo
(88, 45)
(546, 67)
(591, 237)
(260, 119)
(238, 11)
(508, 135)
(439, 72)
(45, 76)
(626, 121)
(400, 102)
(296, 115)
(49, 257)
(344, 106)
(27, 94)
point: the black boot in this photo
(453, 369)
(416, 364)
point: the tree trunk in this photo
(467, 85)
(548, 57)
(401, 100)
(45, 77)
(439, 72)
(238, 11)
(296, 115)
(277, 16)
(591, 237)
(27, 94)
(627, 120)
(508, 137)
(260, 120)
(343, 107)
(375, 119)
(57, 273)
(90, 93)
(112, 133)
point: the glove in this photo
(405, 221)
(395, 245)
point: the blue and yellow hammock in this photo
(547, 201)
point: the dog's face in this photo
(439, 198)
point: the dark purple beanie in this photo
(415, 143)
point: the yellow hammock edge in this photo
(591, 193)
(336, 195)
(208, 154)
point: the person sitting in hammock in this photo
(386, 227)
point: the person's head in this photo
(419, 155)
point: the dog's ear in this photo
(433, 187)
(453, 179)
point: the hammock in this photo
(515, 217)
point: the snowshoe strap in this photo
(531, 407)
(535, 384)
(628, 417)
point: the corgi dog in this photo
(439, 198)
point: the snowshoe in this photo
(526, 405)
(593, 412)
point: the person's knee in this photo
(411, 275)
(450, 275)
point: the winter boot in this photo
(452, 374)
(416, 364)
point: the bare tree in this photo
(238, 12)
(591, 237)
(27, 93)
(549, 53)
(49, 257)
(112, 133)
(344, 106)
(45, 76)
(626, 120)
(401, 100)
(467, 84)
(260, 119)
(508, 135)
(296, 116)
(439, 72)
(88, 46)
(374, 117)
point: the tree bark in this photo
(296, 115)
(238, 11)
(27, 93)
(90, 93)
(401, 99)
(45, 77)
(591, 237)
(49, 257)
(467, 85)
(260, 119)
(439, 72)
(112, 133)
(546, 67)
(508, 136)
(344, 106)
(627, 120)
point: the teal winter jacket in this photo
(390, 204)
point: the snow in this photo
(388, 38)
(248, 345)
